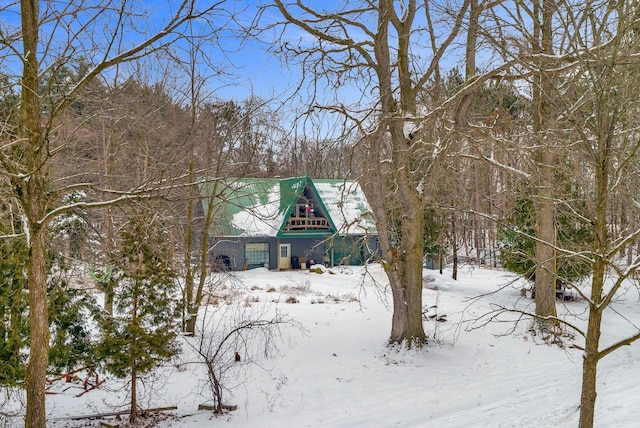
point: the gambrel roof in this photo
(261, 206)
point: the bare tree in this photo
(603, 115)
(545, 154)
(213, 151)
(582, 69)
(316, 147)
(529, 46)
(377, 51)
(226, 140)
(99, 33)
(232, 337)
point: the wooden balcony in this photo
(307, 223)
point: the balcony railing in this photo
(307, 223)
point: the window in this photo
(256, 253)
(305, 210)
(284, 251)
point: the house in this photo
(287, 223)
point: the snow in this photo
(347, 206)
(410, 126)
(27, 231)
(262, 219)
(477, 371)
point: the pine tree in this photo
(13, 305)
(13, 257)
(141, 333)
(517, 248)
(70, 313)
(517, 244)
(435, 226)
(69, 310)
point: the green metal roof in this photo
(347, 205)
(260, 207)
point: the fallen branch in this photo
(90, 387)
(67, 376)
(213, 408)
(120, 413)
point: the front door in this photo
(284, 256)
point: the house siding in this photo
(335, 251)
(306, 248)
(232, 248)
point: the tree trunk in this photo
(591, 357)
(544, 208)
(454, 248)
(601, 249)
(110, 172)
(191, 319)
(194, 300)
(109, 295)
(197, 299)
(189, 325)
(133, 408)
(32, 192)
(133, 412)
(39, 332)
(545, 255)
(406, 286)
(189, 312)
(592, 340)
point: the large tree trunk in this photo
(543, 201)
(39, 334)
(402, 262)
(406, 285)
(32, 192)
(545, 255)
(403, 145)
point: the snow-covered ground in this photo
(337, 371)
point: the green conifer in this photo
(142, 331)
(13, 306)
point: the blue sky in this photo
(251, 70)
